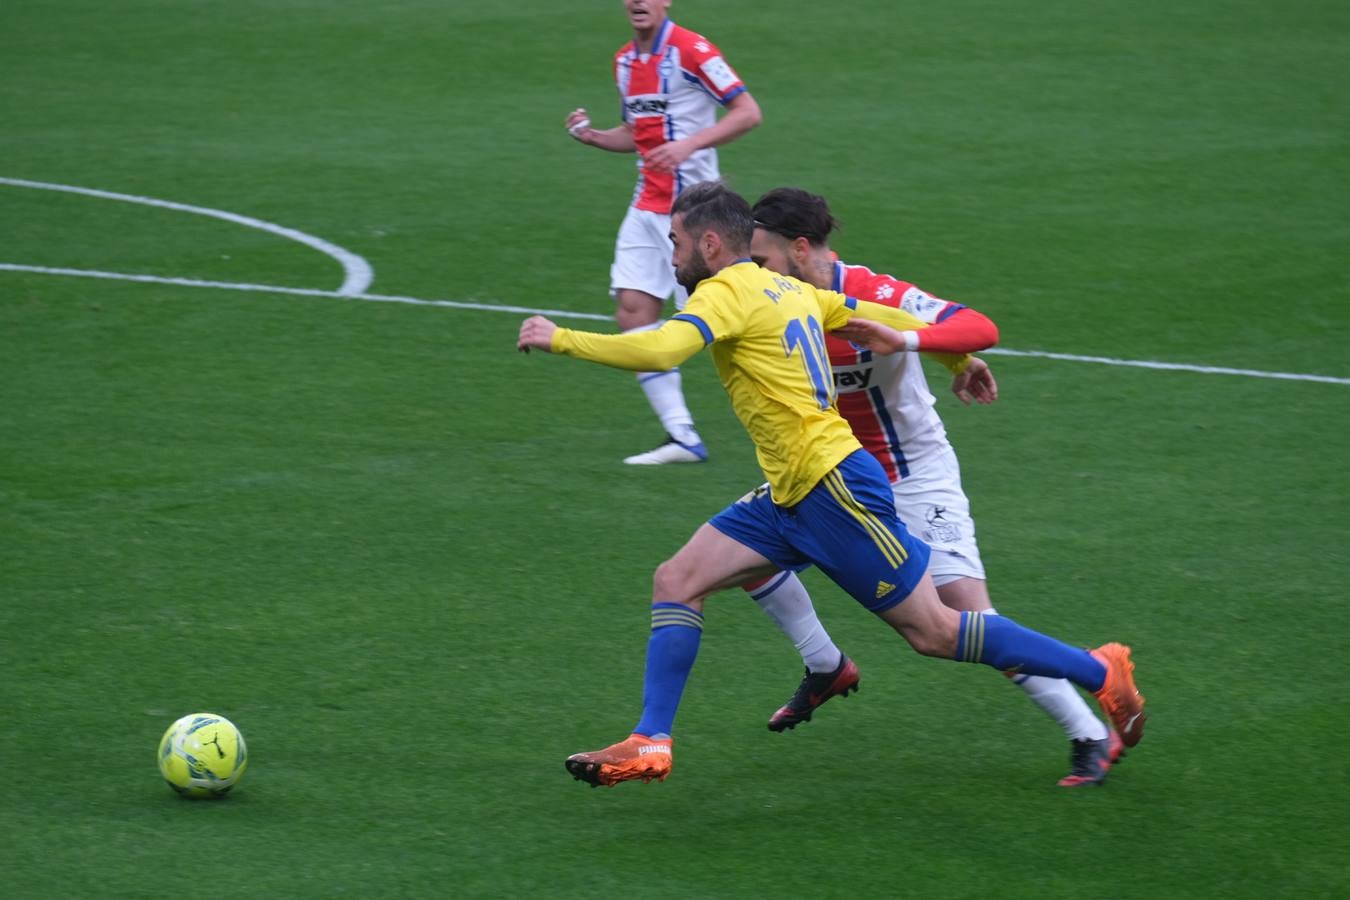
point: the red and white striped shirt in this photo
(885, 397)
(669, 94)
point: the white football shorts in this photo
(934, 508)
(642, 257)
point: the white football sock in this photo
(786, 601)
(1061, 702)
(665, 393)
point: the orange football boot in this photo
(1120, 699)
(637, 757)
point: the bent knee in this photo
(674, 583)
(670, 582)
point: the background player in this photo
(828, 502)
(671, 81)
(886, 400)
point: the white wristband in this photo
(911, 340)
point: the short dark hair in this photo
(793, 213)
(712, 206)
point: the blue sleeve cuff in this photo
(729, 97)
(950, 310)
(698, 323)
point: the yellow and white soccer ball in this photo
(202, 755)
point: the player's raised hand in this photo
(874, 336)
(976, 383)
(536, 333)
(579, 125)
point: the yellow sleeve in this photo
(898, 319)
(956, 363)
(888, 315)
(713, 310)
(835, 308)
(638, 351)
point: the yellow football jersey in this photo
(767, 333)
(768, 342)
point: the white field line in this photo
(597, 317)
(301, 292)
(357, 272)
(1175, 367)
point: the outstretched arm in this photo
(893, 330)
(885, 329)
(881, 338)
(638, 351)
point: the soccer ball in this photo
(202, 755)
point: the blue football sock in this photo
(671, 650)
(1000, 642)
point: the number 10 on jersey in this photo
(810, 340)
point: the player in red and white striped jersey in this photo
(671, 82)
(886, 400)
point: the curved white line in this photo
(358, 274)
(569, 314)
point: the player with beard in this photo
(828, 502)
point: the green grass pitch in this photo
(406, 561)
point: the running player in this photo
(828, 502)
(886, 400)
(671, 82)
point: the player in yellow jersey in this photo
(828, 501)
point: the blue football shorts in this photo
(846, 526)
